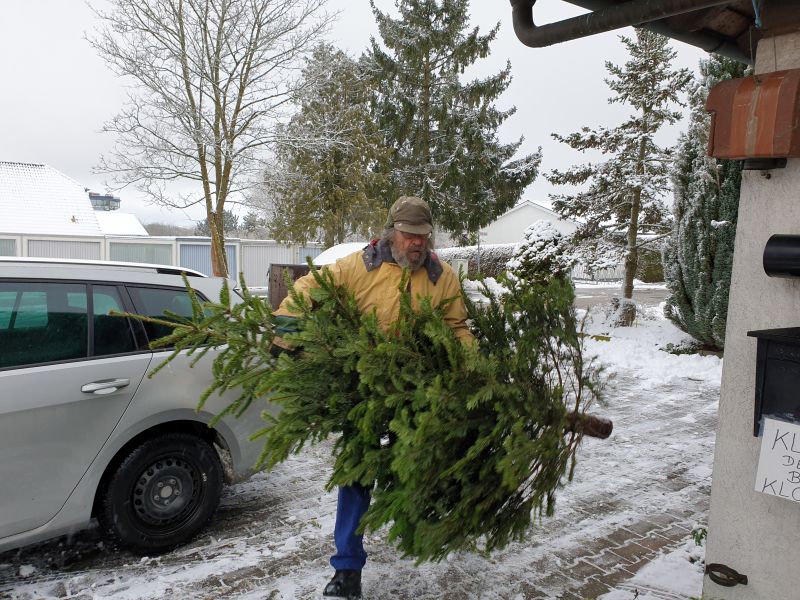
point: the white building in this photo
(45, 214)
(510, 227)
(38, 200)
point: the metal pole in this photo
(479, 254)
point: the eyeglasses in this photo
(415, 236)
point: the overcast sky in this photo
(56, 92)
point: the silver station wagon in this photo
(84, 432)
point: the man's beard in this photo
(411, 262)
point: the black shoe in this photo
(345, 583)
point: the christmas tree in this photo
(464, 445)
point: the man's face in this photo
(409, 250)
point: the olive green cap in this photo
(412, 215)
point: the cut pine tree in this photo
(464, 446)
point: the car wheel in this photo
(162, 493)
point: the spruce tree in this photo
(230, 223)
(444, 130)
(625, 194)
(327, 181)
(463, 445)
(699, 255)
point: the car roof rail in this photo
(161, 269)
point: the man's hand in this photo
(284, 324)
(280, 346)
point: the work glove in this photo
(284, 325)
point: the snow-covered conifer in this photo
(699, 254)
(624, 197)
(328, 179)
(443, 129)
(542, 254)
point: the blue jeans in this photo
(353, 503)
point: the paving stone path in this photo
(635, 495)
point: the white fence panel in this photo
(257, 258)
(253, 257)
(142, 252)
(8, 247)
(65, 249)
(259, 255)
(581, 273)
(197, 256)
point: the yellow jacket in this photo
(374, 278)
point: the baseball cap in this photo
(410, 214)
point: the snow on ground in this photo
(637, 285)
(670, 575)
(272, 535)
(639, 350)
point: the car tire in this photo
(163, 492)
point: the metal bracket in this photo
(763, 164)
(725, 576)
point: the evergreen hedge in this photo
(493, 258)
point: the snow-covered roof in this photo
(117, 223)
(510, 227)
(36, 199)
(334, 253)
(528, 203)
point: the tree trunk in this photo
(219, 261)
(425, 118)
(627, 309)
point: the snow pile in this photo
(637, 285)
(672, 575)
(26, 571)
(642, 350)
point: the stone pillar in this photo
(755, 534)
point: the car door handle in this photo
(105, 387)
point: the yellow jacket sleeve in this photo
(305, 284)
(456, 312)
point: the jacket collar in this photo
(378, 252)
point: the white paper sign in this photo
(779, 462)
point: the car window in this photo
(112, 334)
(153, 302)
(41, 322)
(7, 301)
(30, 310)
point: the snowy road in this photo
(646, 294)
(272, 535)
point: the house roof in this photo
(528, 203)
(37, 199)
(729, 27)
(117, 223)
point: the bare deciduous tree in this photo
(212, 78)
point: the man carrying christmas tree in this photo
(373, 275)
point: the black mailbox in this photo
(778, 350)
(777, 375)
(782, 256)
